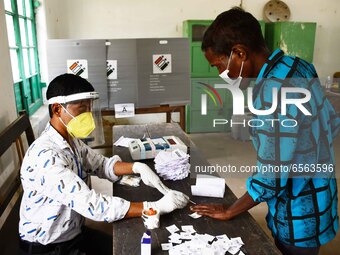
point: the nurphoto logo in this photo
(239, 105)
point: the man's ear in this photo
(56, 109)
(241, 52)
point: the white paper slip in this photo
(208, 237)
(208, 251)
(188, 228)
(172, 229)
(233, 250)
(174, 236)
(166, 246)
(123, 141)
(186, 236)
(237, 240)
(187, 242)
(175, 241)
(223, 237)
(195, 215)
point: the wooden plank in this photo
(9, 234)
(14, 130)
(127, 233)
(159, 109)
(7, 138)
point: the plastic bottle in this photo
(328, 82)
(145, 243)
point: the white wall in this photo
(159, 18)
(326, 13)
(7, 113)
(7, 109)
(106, 19)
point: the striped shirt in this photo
(56, 197)
(302, 204)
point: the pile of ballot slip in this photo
(172, 165)
(187, 241)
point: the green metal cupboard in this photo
(219, 106)
(194, 30)
(294, 38)
(202, 74)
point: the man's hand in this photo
(222, 212)
(216, 211)
(149, 177)
(171, 201)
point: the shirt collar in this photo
(56, 137)
(266, 68)
(271, 61)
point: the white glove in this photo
(171, 201)
(149, 177)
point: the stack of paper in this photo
(188, 241)
(208, 186)
(172, 165)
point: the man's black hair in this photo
(65, 85)
(231, 27)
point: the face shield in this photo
(86, 123)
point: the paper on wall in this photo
(126, 110)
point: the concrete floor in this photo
(220, 148)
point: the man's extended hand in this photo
(171, 201)
(149, 177)
(216, 211)
(223, 212)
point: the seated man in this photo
(54, 173)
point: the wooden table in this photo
(128, 232)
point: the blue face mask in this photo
(224, 75)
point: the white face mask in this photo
(224, 75)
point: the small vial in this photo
(145, 244)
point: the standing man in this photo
(302, 210)
(54, 172)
